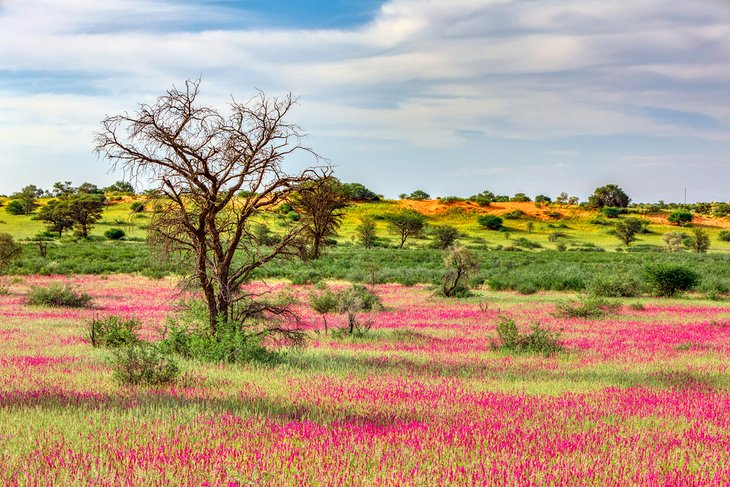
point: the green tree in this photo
(320, 204)
(62, 188)
(444, 236)
(367, 232)
(406, 224)
(490, 222)
(27, 198)
(419, 194)
(627, 229)
(89, 188)
(520, 198)
(9, 250)
(699, 241)
(84, 210)
(484, 198)
(56, 216)
(609, 195)
(120, 187)
(680, 217)
(358, 192)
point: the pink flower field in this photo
(640, 397)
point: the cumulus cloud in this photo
(423, 73)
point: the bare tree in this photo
(211, 174)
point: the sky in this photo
(453, 97)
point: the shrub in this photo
(674, 241)
(614, 286)
(715, 288)
(680, 217)
(539, 340)
(230, 344)
(324, 301)
(444, 236)
(588, 308)
(353, 300)
(114, 234)
(112, 331)
(137, 207)
(555, 236)
(525, 243)
(611, 211)
(367, 232)
(461, 263)
(724, 236)
(58, 295)
(670, 279)
(141, 363)
(9, 250)
(514, 215)
(490, 222)
(15, 207)
(699, 241)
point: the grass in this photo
(574, 222)
(637, 397)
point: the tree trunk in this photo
(316, 243)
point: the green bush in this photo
(15, 207)
(588, 308)
(141, 363)
(611, 211)
(715, 288)
(539, 340)
(190, 337)
(525, 243)
(114, 234)
(58, 295)
(444, 236)
(680, 217)
(514, 215)
(724, 236)
(112, 331)
(137, 207)
(490, 222)
(670, 279)
(611, 285)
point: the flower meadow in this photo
(640, 397)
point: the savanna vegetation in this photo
(235, 323)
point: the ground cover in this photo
(538, 224)
(641, 396)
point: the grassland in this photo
(639, 397)
(577, 224)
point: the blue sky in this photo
(453, 97)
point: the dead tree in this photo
(211, 174)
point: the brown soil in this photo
(436, 207)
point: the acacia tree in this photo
(406, 223)
(609, 195)
(197, 160)
(627, 229)
(320, 204)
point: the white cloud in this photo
(422, 72)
